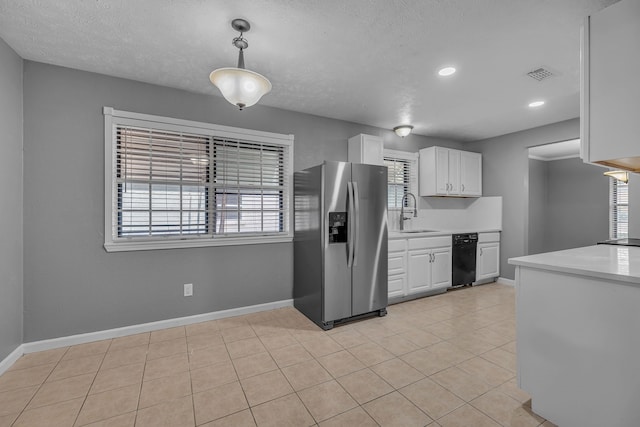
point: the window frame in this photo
(614, 204)
(114, 118)
(412, 158)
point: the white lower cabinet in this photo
(441, 268)
(429, 269)
(419, 271)
(419, 264)
(397, 268)
(488, 256)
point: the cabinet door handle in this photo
(433, 257)
(480, 251)
(462, 187)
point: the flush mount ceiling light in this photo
(619, 175)
(447, 71)
(403, 130)
(535, 104)
(240, 86)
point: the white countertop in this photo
(394, 234)
(620, 263)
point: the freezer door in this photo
(337, 274)
(369, 272)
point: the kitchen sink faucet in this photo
(415, 209)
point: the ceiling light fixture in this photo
(447, 71)
(535, 104)
(619, 175)
(240, 86)
(403, 130)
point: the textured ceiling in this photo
(373, 62)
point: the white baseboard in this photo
(8, 361)
(505, 281)
(34, 346)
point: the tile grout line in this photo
(39, 386)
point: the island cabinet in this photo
(488, 257)
(448, 172)
(610, 89)
(578, 346)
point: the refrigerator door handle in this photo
(350, 220)
(356, 220)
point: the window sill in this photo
(125, 246)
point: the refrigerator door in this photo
(337, 274)
(369, 272)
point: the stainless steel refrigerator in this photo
(340, 243)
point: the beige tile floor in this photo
(447, 360)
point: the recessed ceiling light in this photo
(536, 104)
(447, 71)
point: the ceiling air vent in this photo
(540, 74)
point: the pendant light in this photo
(619, 175)
(240, 86)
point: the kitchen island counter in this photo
(578, 344)
(620, 263)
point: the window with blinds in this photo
(161, 180)
(618, 210)
(248, 186)
(178, 183)
(399, 180)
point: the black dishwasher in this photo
(463, 259)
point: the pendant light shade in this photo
(240, 86)
(619, 175)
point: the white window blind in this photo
(618, 210)
(179, 183)
(249, 186)
(401, 179)
(161, 181)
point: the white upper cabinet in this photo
(610, 129)
(366, 149)
(470, 174)
(447, 172)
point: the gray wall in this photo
(11, 278)
(578, 207)
(538, 201)
(568, 205)
(505, 172)
(71, 285)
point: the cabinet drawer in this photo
(429, 242)
(396, 286)
(489, 237)
(397, 245)
(396, 264)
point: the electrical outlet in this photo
(188, 289)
